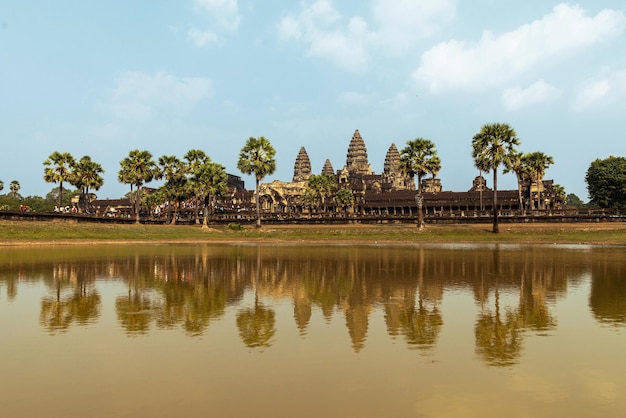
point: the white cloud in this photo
(402, 22)
(202, 38)
(346, 42)
(609, 87)
(498, 58)
(515, 98)
(223, 16)
(138, 96)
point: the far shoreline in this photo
(20, 233)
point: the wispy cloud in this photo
(516, 98)
(222, 16)
(495, 59)
(139, 96)
(347, 42)
(607, 88)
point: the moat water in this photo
(313, 331)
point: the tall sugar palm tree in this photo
(257, 157)
(209, 180)
(482, 165)
(517, 165)
(537, 163)
(87, 174)
(493, 147)
(58, 168)
(137, 169)
(14, 187)
(195, 159)
(174, 171)
(419, 158)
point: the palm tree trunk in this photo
(539, 202)
(519, 194)
(258, 204)
(495, 201)
(60, 194)
(420, 205)
(205, 221)
(137, 203)
(173, 222)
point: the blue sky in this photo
(103, 78)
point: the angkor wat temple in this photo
(389, 195)
(391, 192)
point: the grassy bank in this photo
(37, 233)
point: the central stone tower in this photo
(356, 160)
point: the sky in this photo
(104, 78)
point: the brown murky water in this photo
(313, 331)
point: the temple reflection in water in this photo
(189, 287)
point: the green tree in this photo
(319, 187)
(419, 158)
(15, 187)
(86, 175)
(517, 164)
(38, 204)
(174, 171)
(492, 147)
(209, 180)
(606, 182)
(344, 198)
(257, 157)
(137, 169)
(537, 163)
(195, 158)
(1, 185)
(573, 201)
(559, 193)
(58, 168)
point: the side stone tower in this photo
(328, 168)
(392, 174)
(302, 167)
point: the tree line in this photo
(197, 177)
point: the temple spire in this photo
(302, 166)
(356, 159)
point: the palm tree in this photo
(537, 163)
(559, 193)
(320, 187)
(344, 198)
(257, 157)
(174, 171)
(14, 187)
(482, 166)
(136, 169)
(208, 181)
(87, 174)
(418, 158)
(517, 164)
(195, 159)
(58, 169)
(491, 148)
